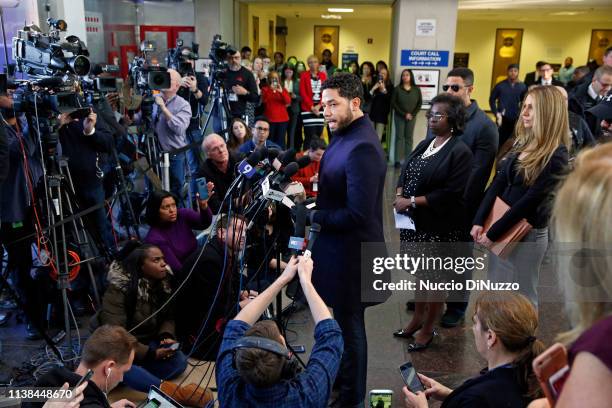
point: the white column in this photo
(405, 37)
(73, 12)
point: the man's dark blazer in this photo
(530, 78)
(496, 388)
(442, 184)
(581, 95)
(555, 82)
(349, 210)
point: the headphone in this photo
(291, 366)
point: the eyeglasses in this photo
(435, 116)
(261, 129)
(454, 87)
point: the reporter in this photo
(139, 286)
(250, 376)
(172, 227)
(109, 353)
(504, 327)
(238, 135)
(309, 175)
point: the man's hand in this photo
(90, 122)
(191, 83)
(123, 403)
(401, 204)
(499, 118)
(304, 269)
(315, 178)
(476, 232)
(163, 353)
(64, 119)
(290, 271)
(239, 90)
(74, 402)
(409, 116)
(160, 101)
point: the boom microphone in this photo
(315, 229)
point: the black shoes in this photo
(402, 333)
(422, 346)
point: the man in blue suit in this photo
(349, 210)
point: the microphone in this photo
(296, 242)
(315, 229)
(247, 166)
(303, 161)
(288, 156)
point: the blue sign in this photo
(424, 58)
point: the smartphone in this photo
(84, 378)
(411, 379)
(174, 346)
(202, 189)
(381, 398)
(551, 370)
(80, 113)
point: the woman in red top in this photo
(275, 100)
(310, 92)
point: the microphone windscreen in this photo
(303, 161)
(290, 169)
(288, 156)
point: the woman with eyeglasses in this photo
(406, 102)
(172, 227)
(430, 192)
(526, 182)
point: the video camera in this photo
(180, 58)
(218, 54)
(39, 55)
(145, 78)
(94, 86)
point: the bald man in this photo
(171, 117)
(219, 167)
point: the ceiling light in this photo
(567, 13)
(331, 17)
(575, 1)
(340, 10)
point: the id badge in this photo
(232, 97)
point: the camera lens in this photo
(80, 65)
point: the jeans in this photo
(351, 379)
(278, 133)
(177, 175)
(193, 157)
(404, 131)
(141, 377)
(96, 221)
(523, 264)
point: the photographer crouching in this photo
(171, 118)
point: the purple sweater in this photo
(176, 240)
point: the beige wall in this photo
(353, 34)
(549, 41)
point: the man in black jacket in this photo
(590, 93)
(532, 77)
(109, 353)
(546, 76)
(218, 168)
(349, 211)
(240, 86)
(481, 136)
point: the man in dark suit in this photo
(349, 210)
(482, 137)
(546, 76)
(590, 93)
(532, 77)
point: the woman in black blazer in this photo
(504, 327)
(526, 182)
(430, 191)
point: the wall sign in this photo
(427, 80)
(425, 27)
(424, 58)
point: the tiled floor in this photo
(451, 359)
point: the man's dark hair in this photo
(327, 51)
(540, 63)
(608, 50)
(465, 73)
(582, 69)
(108, 343)
(261, 119)
(246, 49)
(279, 53)
(225, 221)
(349, 86)
(511, 66)
(455, 114)
(258, 367)
(317, 143)
(154, 203)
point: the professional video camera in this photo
(145, 78)
(40, 55)
(94, 87)
(218, 54)
(181, 58)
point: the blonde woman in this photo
(583, 214)
(525, 182)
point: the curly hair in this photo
(348, 85)
(455, 114)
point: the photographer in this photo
(194, 89)
(16, 209)
(239, 84)
(83, 142)
(171, 116)
(251, 376)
